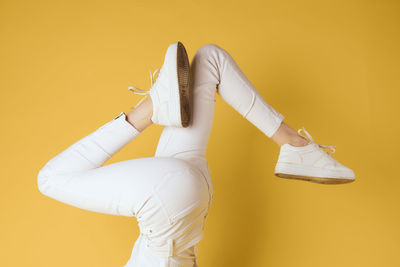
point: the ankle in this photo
(286, 135)
(298, 141)
(138, 119)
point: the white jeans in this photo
(170, 193)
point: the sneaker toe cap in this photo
(347, 172)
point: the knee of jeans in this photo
(208, 50)
(43, 179)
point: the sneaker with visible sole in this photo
(171, 91)
(311, 163)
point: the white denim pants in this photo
(169, 194)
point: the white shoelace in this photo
(146, 93)
(308, 136)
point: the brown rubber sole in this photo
(318, 180)
(185, 93)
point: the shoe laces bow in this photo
(146, 93)
(309, 137)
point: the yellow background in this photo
(330, 66)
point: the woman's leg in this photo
(140, 117)
(76, 175)
(214, 70)
(137, 187)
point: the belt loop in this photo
(170, 247)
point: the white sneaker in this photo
(311, 163)
(171, 92)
